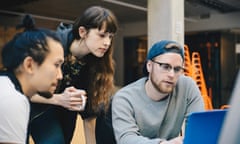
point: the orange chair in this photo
(187, 62)
(198, 73)
(198, 76)
(207, 102)
(193, 69)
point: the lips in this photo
(169, 83)
(54, 86)
(103, 50)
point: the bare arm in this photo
(39, 99)
(70, 99)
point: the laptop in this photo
(204, 127)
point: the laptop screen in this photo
(203, 127)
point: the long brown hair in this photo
(98, 72)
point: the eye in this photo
(166, 66)
(111, 36)
(57, 65)
(102, 35)
(178, 69)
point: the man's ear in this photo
(82, 32)
(29, 64)
(149, 66)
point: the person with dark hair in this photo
(153, 109)
(32, 64)
(89, 66)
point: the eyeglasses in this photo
(167, 67)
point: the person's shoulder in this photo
(10, 94)
(5, 82)
(186, 82)
(185, 79)
(131, 88)
(64, 27)
(63, 30)
(134, 85)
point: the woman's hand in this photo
(72, 99)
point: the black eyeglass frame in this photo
(167, 67)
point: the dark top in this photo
(74, 71)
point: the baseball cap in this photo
(161, 47)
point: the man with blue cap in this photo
(152, 109)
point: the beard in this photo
(45, 94)
(161, 87)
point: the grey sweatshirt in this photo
(137, 119)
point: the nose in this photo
(171, 72)
(59, 74)
(107, 41)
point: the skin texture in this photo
(94, 41)
(161, 83)
(44, 77)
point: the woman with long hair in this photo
(88, 66)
